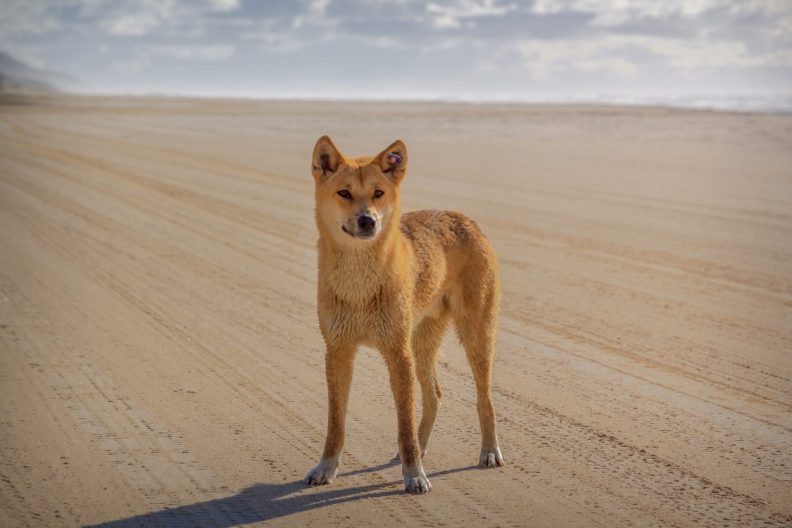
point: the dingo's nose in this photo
(366, 223)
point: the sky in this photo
(461, 49)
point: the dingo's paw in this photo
(490, 458)
(415, 481)
(324, 473)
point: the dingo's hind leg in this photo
(475, 316)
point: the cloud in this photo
(133, 24)
(451, 15)
(381, 42)
(435, 43)
(201, 53)
(774, 16)
(275, 40)
(445, 44)
(544, 58)
(139, 18)
(224, 5)
(608, 53)
(632, 38)
(24, 17)
(615, 12)
(134, 65)
(147, 56)
(315, 14)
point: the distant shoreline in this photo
(743, 105)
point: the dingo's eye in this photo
(378, 193)
(343, 193)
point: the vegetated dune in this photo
(161, 363)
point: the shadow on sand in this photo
(263, 502)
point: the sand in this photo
(161, 363)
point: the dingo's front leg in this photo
(338, 370)
(402, 377)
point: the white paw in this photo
(415, 481)
(324, 473)
(490, 458)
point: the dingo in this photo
(394, 282)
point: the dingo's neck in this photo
(357, 274)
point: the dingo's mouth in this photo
(364, 236)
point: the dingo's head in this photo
(357, 199)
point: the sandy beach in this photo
(161, 362)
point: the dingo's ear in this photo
(326, 158)
(393, 161)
